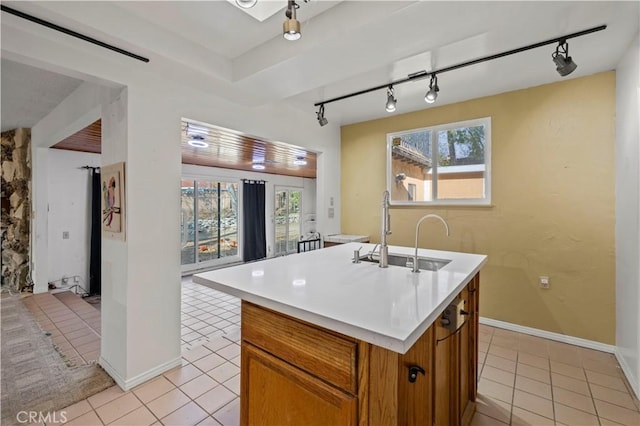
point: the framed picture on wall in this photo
(113, 215)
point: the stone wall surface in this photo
(16, 207)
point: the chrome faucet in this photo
(423, 218)
(386, 230)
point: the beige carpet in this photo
(34, 375)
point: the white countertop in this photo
(389, 307)
(345, 238)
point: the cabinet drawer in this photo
(328, 356)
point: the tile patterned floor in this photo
(207, 314)
(524, 380)
(73, 325)
(527, 380)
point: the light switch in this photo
(65, 235)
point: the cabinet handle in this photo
(413, 372)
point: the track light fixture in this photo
(564, 63)
(391, 100)
(322, 121)
(432, 94)
(561, 58)
(291, 26)
(246, 4)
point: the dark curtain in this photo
(253, 205)
(95, 274)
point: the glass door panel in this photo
(287, 220)
(281, 213)
(293, 223)
(228, 209)
(207, 221)
(187, 227)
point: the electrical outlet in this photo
(76, 279)
(544, 282)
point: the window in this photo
(445, 164)
(209, 223)
(411, 191)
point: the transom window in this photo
(445, 164)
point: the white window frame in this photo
(486, 167)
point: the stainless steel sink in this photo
(424, 263)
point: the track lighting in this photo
(391, 100)
(432, 94)
(246, 4)
(322, 121)
(291, 26)
(564, 63)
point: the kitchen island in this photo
(329, 341)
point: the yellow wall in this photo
(552, 207)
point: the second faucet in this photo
(422, 219)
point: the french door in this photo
(287, 220)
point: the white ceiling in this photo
(29, 94)
(352, 45)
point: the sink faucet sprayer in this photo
(386, 230)
(415, 256)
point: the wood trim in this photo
(363, 382)
(415, 402)
(474, 309)
(383, 394)
(331, 357)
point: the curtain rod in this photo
(419, 75)
(71, 33)
(253, 181)
(89, 167)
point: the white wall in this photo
(628, 214)
(141, 276)
(78, 110)
(69, 189)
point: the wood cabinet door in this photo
(274, 392)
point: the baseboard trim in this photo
(577, 341)
(633, 380)
(140, 378)
(112, 372)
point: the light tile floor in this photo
(524, 380)
(527, 380)
(72, 325)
